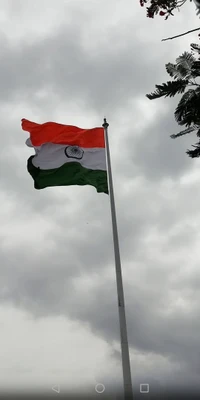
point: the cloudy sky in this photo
(74, 62)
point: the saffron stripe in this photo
(51, 132)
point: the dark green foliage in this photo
(194, 153)
(184, 71)
(162, 7)
(187, 111)
(188, 130)
(168, 89)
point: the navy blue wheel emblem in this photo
(74, 152)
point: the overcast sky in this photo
(74, 62)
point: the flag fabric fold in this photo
(66, 155)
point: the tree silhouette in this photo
(185, 72)
(165, 7)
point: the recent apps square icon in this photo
(144, 388)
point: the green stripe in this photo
(68, 174)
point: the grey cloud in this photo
(68, 71)
(48, 279)
(158, 156)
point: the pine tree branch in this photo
(182, 34)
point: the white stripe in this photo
(49, 156)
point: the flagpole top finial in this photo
(105, 123)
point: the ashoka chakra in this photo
(74, 152)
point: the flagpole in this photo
(128, 391)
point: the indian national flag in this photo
(66, 155)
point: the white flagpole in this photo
(128, 391)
